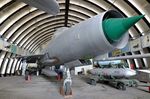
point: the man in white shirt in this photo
(24, 66)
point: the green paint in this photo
(87, 57)
(115, 28)
(13, 48)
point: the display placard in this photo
(135, 45)
(145, 40)
(116, 52)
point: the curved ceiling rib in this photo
(31, 26)
(41, 26)
(37, 46)
(20, 23)
(11, 9)
(61, 21)
(43, 30)
(37, 36)
(49, 33)
(85, 4)
(4, 2)
(82, 10)
(20, 32)
(15, 25)
(42, 43)
(33, 23)
(52, 17)
(25, 26)
(95, 3)
(39, 33)
(8, 23)
(40, 40)
(46, 21)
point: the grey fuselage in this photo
(86, 39)
(49, 6)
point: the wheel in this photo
(135, 84)
(121, 86)
(26, 75)
(67, 89)
(93, 82)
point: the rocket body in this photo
(86, 39)
(93, 37)
(114, 72)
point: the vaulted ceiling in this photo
(29, 28)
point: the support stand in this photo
(66, 90)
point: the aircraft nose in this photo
(111, 30)
(130, 73)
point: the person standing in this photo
(24, 66)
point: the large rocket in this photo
(93, 37)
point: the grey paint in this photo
(115, 72)
(84, 39)
(49, 6)
(127, 57)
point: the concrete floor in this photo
(43, 88)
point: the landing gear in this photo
(133, 83)
(66, 88)
(92, 82)
(121, 86)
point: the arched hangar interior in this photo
(29, 28)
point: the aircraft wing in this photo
(49, 6)
(31, 58)
(126, 57)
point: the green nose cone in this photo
(115, 28)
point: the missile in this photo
(93, 37)
(114, 72)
